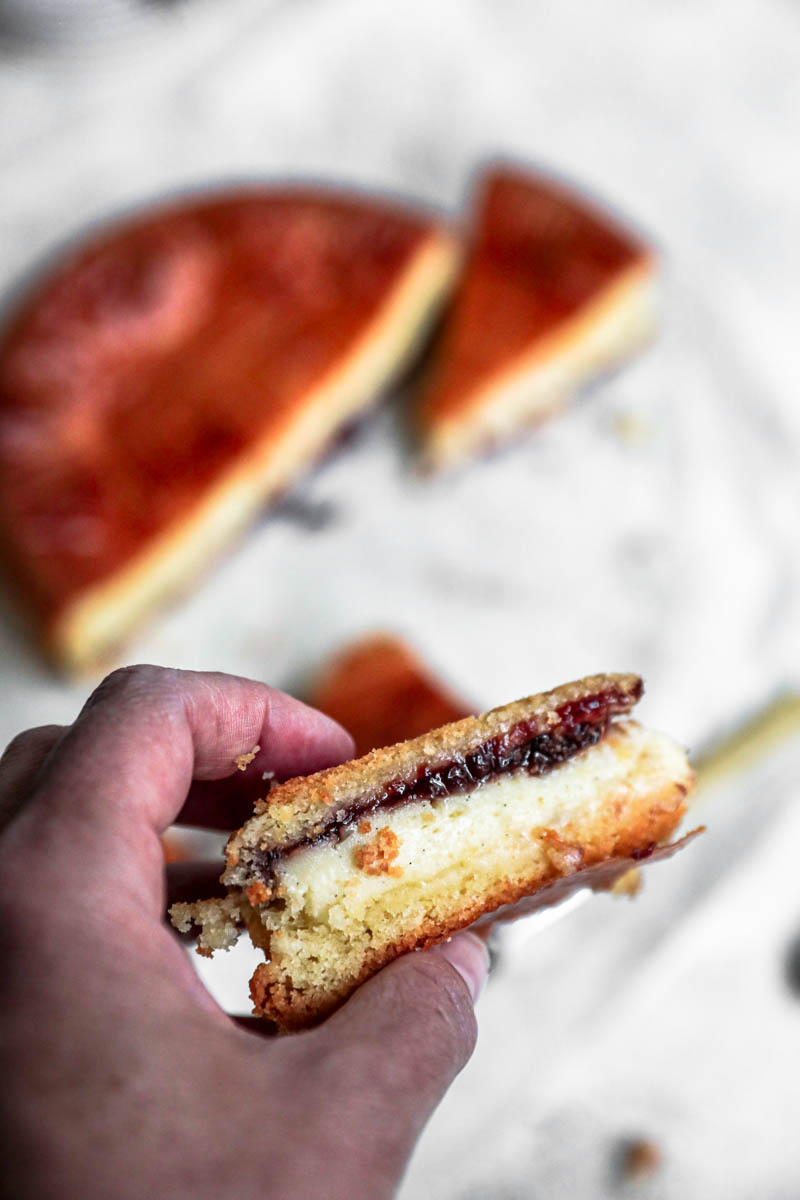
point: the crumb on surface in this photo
(365, 826)
(377, 856)
(631, 429)
(242, 761)
(629, 884)
(639, 1159)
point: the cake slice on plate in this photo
(554, 291)
(181, 368)
(340, 872)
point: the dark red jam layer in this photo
(582, 723)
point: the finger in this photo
(121, 773)
(20, 765)
(221, 804)
(399, 1042)
(227, 803)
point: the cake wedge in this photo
(179, 370)
(340, 872)
(555, 290)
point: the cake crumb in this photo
(629, 884)
(376, 857)
(242, 761)
(365, 827)
(267, 774)
(565, 857)
(258, 893)
(639, 1159)
(631, 429)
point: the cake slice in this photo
(338, 873)
(382, 692)
(554, 291)
(177, 371)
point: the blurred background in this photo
(650, 1046)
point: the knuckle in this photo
(133, 682)
(124, 679)
(27, 742)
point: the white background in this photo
(676, 553)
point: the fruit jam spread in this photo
(522, 748)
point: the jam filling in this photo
(582, 723)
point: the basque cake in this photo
(381, 692)
(554, 291)
(180, 369)
(340, 872)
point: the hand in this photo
(121, 1077)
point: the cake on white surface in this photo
(554, 292)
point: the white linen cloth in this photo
(675, 552)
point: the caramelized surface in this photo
(159, 353)
(382, 693)
(540, 254)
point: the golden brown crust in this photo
(299, 807)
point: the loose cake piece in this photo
(177, 371)
(340, 872)
(554, 291)
(381, 692)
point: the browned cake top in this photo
(160, 352)
(382, 693)
(541, 252)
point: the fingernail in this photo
(468, 954)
